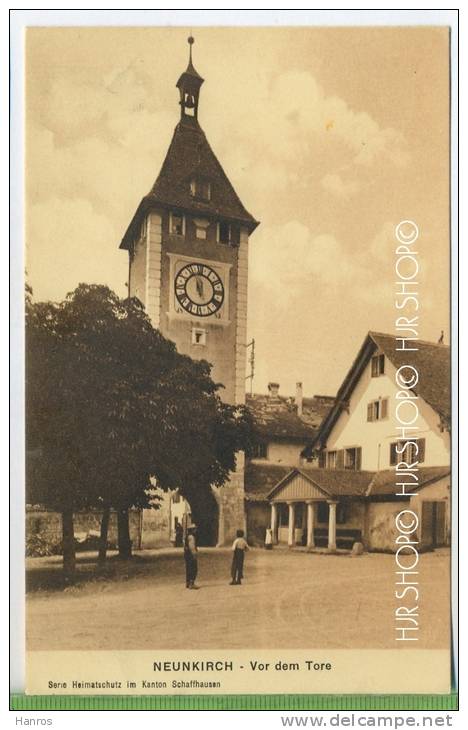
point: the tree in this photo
(113, 405)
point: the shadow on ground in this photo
(46, 574)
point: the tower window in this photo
(200, 189)
(198, 336)
(176, 224)
(228, 234)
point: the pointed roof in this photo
(432, 361)
(190, 156)
(190, 70)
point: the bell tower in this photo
(188, 262)
(189, 85)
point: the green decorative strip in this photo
(236, 702)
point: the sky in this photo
(330, 136)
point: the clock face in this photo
(199, 289)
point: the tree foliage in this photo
(112, 404)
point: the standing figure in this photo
(190, 557)
(179, 534)
(268, 539)
(239, 546)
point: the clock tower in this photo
(188, 244)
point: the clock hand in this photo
(199, 284)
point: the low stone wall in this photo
(48, 525)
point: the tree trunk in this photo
(125, 545)
(103, 536)
(68, 543)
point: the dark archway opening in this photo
(205, 514)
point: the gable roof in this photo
(190, 156)
(332, 482)
(263, 481)
(277, 417)
(432, 361)
(259, 479)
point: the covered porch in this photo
(306, 514)
(294, 523)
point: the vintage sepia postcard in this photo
(238, 360)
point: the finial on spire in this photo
(190, 41)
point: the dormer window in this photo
(176, 224)
(200, 189)
(228, 233)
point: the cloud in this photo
(289, 257)
(383, 243)
(67, 242)
(334, 184)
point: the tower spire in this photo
(190, 41)
(189, 85)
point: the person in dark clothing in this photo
(239, 547)
(179, 534)
(190, 557)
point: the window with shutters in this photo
(377, 365)
(259, 451)
(352, 458)
(377, 410)
(408, 452)
(331, 460)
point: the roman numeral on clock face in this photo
(199, 290)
